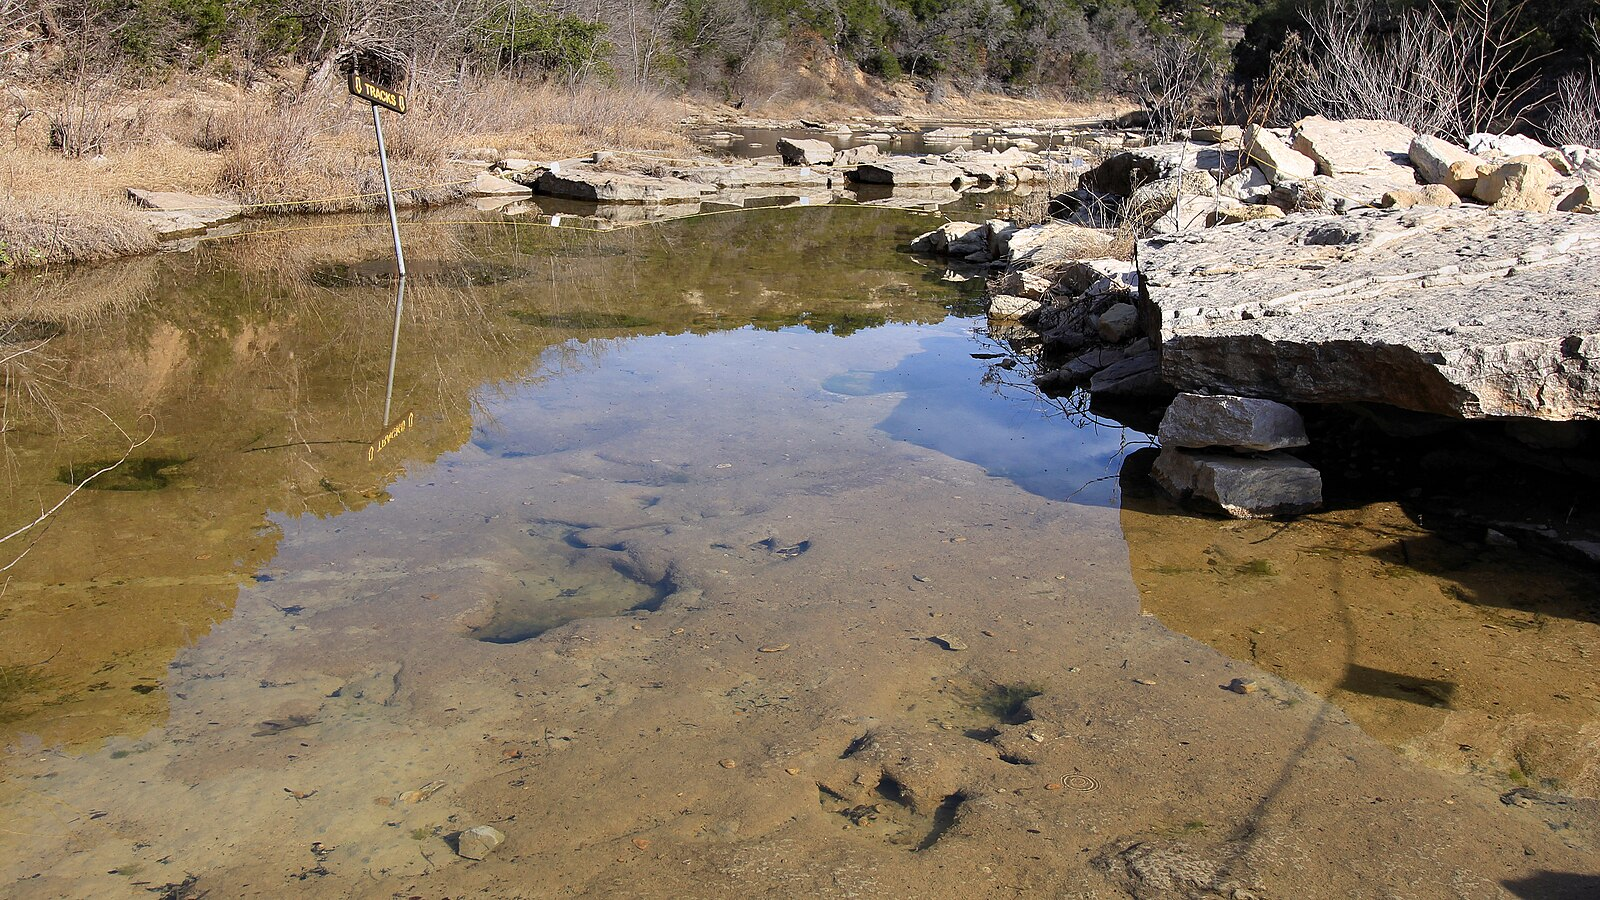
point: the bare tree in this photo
(1170, 84)
(1574, 116)
(1441, 72)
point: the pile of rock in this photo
(1225, 174)
(1367, 264)
(1226, 453)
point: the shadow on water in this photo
(1468, 655)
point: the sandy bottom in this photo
(871, 670)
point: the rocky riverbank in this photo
(1337, 268)
(636, 186)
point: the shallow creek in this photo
(719, 557)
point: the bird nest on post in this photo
(378, 64)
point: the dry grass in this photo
(40, 229)
(282, 151)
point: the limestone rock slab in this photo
(581, 182)
(901, 171)
(1461, 312)
(1245, 487)
(1357, 146)
(173, 214)
(1277, 160)
(1243, 423)
(805, 153)
(486, 185)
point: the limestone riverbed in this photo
(717, 558)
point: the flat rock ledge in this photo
(1464, 313)
(172, 214)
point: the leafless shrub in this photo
(1449, 72)
(1574, 116)
(1171, 83)
(269, 152)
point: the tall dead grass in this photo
(316, 153)
(36, 231)
(281, 150)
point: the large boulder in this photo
(1137, 377)
(953, 239)
(1118, 323)
(1021, 283)
(1357, 146)
(1217, 134)
(1438, 161)
(855, 156)
(1462, 312)
(1005, 306)
(584, 182)
(1250, 184)
(1243, 423)
(1522, 182)
(902, 171)
(1581, 200)
(1245, 487)
(805, 153)
(1502, 146)
(1583, 162)
(1277, 161)
(1124, 172)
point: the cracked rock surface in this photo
(1464, 313)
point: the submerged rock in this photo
(1460, 312)
(479, 842)
(1244, 487)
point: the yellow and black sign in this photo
(401, 426)
(381, 96)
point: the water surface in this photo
(722, 553)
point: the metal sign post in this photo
(389, 99)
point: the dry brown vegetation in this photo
(276, 147)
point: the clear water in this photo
(628, 507)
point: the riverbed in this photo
(716, 557)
